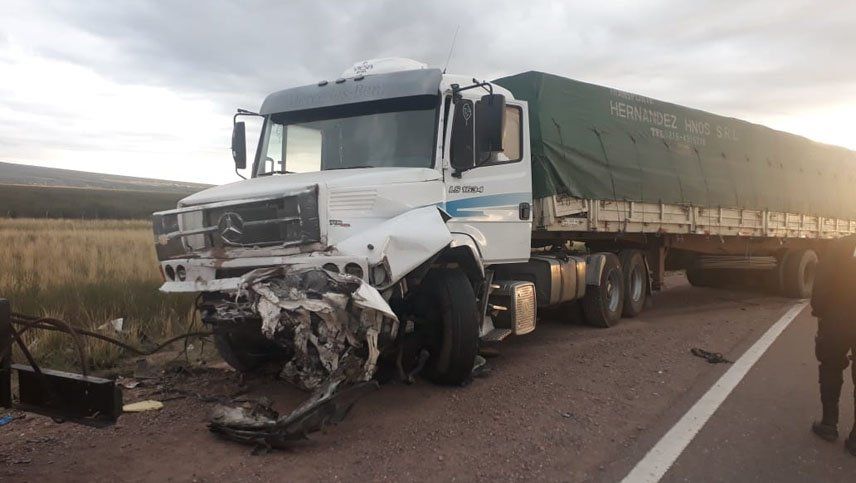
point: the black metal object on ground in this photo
(711, 357)
(77, 396)
(61, 395)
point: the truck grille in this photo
(277, 221)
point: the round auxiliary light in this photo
(331, 267)
(170, 272)
(354, 269)
(181, 273)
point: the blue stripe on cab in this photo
(470, 206)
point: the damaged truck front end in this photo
(356, 247)
(274, 289)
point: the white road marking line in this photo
(663, 455)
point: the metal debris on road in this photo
(711, 357)
(260, 425)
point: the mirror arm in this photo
(244, 112)
(457, 89)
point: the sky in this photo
(147, 88)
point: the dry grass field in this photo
(87, 272)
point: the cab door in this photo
(492, 201)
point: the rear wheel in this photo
(797, 273)
(603, 303)
(635, 282)
(452, 311)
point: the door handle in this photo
(525, 210)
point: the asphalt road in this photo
(565, 403)
(761, 432)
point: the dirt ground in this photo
(567, 402)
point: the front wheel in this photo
(452, 312)
(603, 303)
(245, 350)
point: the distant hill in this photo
(38, 192)
(22, 174)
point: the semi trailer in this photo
(401, 214)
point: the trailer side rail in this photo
(566, 213)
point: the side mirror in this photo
(239, 145)
(490, 123)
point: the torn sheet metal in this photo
(403, 242)
(260, 425)
(323, 317)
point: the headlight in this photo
(181, 273)
(379, 276)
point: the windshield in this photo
(381, 134)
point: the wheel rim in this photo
(637, 284)
(613, 290)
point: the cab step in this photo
(496, 335)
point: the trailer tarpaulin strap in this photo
(679, 155)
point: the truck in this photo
(402, 217)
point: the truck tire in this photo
(635, 274)
(245, 351)
(603, 303)
(797, 274)
(454, 340)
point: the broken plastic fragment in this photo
(142, 406)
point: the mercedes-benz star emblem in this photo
(231, 227)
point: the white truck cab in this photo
(410, 187)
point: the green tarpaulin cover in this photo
(599, 143)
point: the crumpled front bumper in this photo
(333, 324)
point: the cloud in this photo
(173, 72)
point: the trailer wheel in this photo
(797, 275)
(454, 336)
(245, 351)
(603, 303)
(635, 275)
